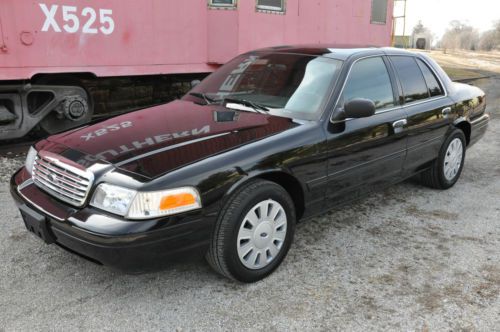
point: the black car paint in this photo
(322, 164)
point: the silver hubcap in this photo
(453, 159)
(262, 234)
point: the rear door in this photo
(428, 109)
(367, 153)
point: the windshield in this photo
(290, 85)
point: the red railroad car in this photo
(63, 62)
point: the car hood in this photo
(156, 140)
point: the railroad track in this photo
(11, 149)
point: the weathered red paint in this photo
(166, 36)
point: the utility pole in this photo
(395, 20)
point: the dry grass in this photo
(467, 64)
(460, 73)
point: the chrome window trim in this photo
(430, 99)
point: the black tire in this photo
(223, 255)
(434, 177)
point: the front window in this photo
(289, 85)
(369, 79)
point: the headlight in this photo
(113, 199)
(30, 160)
(145, 205)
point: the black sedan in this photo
(273, 137)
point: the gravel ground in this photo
(409, 258)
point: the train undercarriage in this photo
(49, 104)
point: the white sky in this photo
(437, 14)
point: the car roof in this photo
(335, 51)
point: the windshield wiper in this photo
(256, 106)
(203, 96)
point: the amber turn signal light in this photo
(176, 201)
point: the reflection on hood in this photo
(156, 140)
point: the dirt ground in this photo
(487, 61)
(462, 65)
(406, 259)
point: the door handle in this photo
(446, 111)
(399, 124)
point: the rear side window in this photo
(412, 80)
(369, 79)
(431, 80)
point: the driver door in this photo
(366, 154)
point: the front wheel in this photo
(253, 232)
(446, 169)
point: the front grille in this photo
(65, 182)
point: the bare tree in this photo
(460, 36)
(420, 28)
(490, 39)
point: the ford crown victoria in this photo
(273, 137)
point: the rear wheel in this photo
(446, 169)
(253, 233)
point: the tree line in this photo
(460, 35)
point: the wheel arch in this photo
(464, 126)
(283, 178)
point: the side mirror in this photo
(359, 108)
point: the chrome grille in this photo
(63, 181)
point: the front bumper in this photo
(130, 246)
